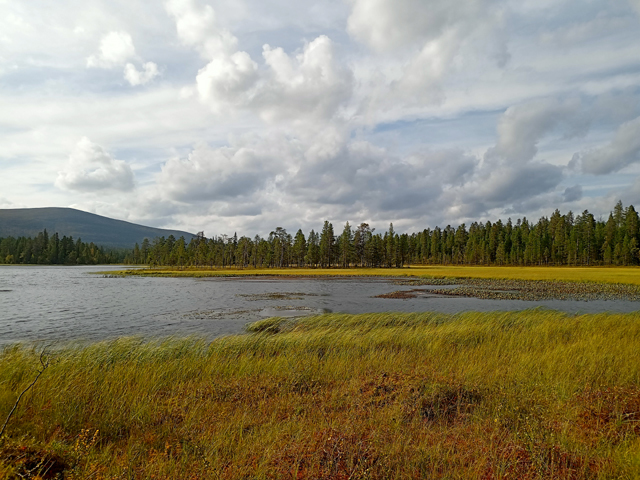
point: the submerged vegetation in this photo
(557, 240)
(531, 395)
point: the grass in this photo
(531, 395)
(627, 275)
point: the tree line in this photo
(556, 240)
(53, 250)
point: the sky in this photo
(230, 116)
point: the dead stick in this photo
(15, 406)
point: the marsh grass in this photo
(534, 394)
(627, 275)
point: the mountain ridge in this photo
(70, 222)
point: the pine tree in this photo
(346, 246)
(326, 245)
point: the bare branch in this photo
(44, 362)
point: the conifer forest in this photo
(47, 249)
(557, 240)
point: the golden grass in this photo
(530, 395)
(628, 275)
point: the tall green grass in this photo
(534, 394)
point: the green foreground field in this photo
(529, 395)
(627, 275)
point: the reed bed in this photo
(532, 395)
(626, 275)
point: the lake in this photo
(58, 303)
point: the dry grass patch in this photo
(626, 275)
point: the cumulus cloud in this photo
(385, 121)
(512, 184)
(510, 175)
(313, 84)
(227, 79)
(623, 150)
(136, 77)
(330, 172)
(91, 169)
(389, 24)
(572, 194)
(115, 49)
(357, 176)
(451, 166)
(422, 77)
(521, 127)
(197, 27)
(426, 43)
(208, 174)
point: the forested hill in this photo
(91, 228)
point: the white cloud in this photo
(227, 79)
(197, 27)
(115, 49)
(587, 31)
(378, 110)
(420, 46)
(388, 24)
(313, 84)
(501, 187)
(136, 77)
(220, 174)
(91, 169)
(623, 150)
(521, 127)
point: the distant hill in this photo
(103, 231)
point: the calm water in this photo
(69, 303)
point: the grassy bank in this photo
(533, 394)
(628, 275)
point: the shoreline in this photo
(609, 275)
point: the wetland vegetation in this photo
(603, 275)
(497, 289)
(532, 395)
